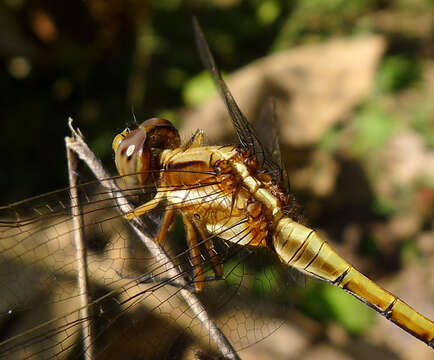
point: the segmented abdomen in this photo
(302, 248)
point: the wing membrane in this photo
(246, 136)
(273, 163)
(269, 158)
(38, 275)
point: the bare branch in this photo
(79, 146)
(80, 254)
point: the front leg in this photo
(145, 208)
(194, 252)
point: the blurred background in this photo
(354, 87)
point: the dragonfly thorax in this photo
(222, 187)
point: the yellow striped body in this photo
(302, 248)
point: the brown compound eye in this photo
(128, 147)
(138, 151)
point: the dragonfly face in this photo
(138, 150)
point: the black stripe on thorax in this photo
(184, 164)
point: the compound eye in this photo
(162, 135)
(156, 123)
(138, 151)
(130, 158)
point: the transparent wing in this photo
(246, 136)
(268, 127)
(269, 157)
(135, 303)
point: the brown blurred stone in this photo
(314, 86)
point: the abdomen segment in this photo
(302, 248)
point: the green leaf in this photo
(353, 315)
(265, 281)
(170, 115)
(397, 72)
(198, 89)
(233, 272)
(373, 127)
(385, 206)
(409, 252)
(330, 140)
(268, 11)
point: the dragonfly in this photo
(234, 204)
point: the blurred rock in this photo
(325, 352)
(404, 22)
(320, 176)
(285, 343)
(314, 86)
(425, 243)
(406, 159)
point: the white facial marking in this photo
(130, 150)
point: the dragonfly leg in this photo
(196, 140)
(166, 224)
(145, 208)
(212, 253)
(194, 253)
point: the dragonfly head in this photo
(138, 151)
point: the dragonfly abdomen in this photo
(302, 248)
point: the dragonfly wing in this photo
(38, 269)
(265, 148)
(267, 130)
(128, 284)
(246, 135)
